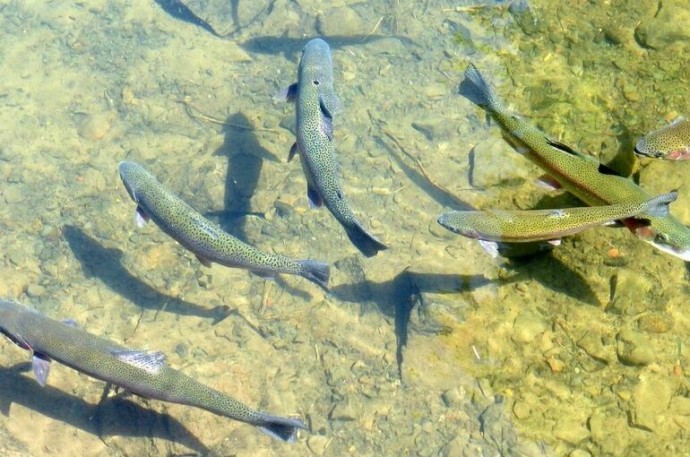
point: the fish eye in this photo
(316, 82)
(661, 238)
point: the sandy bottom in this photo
(580, 352)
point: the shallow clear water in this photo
(534, 357)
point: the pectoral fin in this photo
(40, 364)
(326, 120)
(141, 218)
(204, 261)
(294, 149)
(151, 362)
(315, 200)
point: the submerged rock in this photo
(668, 25)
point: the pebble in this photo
(634, 349)
(343, 411)
(35, 290)
(570, 431)
(340, 21)
(95, 126)
(665, 27)
(527, 326)
(656, 323)
(651, 399)
(317, 444)
(628, 289)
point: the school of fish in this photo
(612, 199)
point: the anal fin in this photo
(40, 364)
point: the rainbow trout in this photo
(206, 240)
(579, 174)
(315, 103)
(143, 373)
(670, 143)
(549, 224)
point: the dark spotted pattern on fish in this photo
(205, 239)
(315, 103)
(142, 373)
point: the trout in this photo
(582, 175)
(315, 103)
(206, 240)
(548, 224)
(141, 372)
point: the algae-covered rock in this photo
(668, 26)
(634, 348)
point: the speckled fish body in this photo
(315, 103)
(205, 239)
(142, 373)
(670, 143)
(551, 224)
(579, 174)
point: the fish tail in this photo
(315, 271)
(282, 428)
(475, 88)
(658, 206)
(367, 243)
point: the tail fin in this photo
(367, 243)
(658, 206)
(282, 428)
(316, 272)
(475, 88)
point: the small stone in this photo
(628, 292)
(343, 411)
(340, 21)
(527, 327)
(521, 410)
(570, 431)
(634, 349)
(453, 398)
(95, 126)
(35, 290)
(651, 400)
(664, 26)
(317, 444)
(656, 323)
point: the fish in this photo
(203, 238)
(580, 174)
(315, 104)
(671, 142)
(549, 224)
(144, 373)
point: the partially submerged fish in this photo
(549, 224)
(206, 240)
(670, 143)
(141, 372)
(316, 103)
(579, 174)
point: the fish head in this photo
(671, 142)
(666, 234)
(128, 174)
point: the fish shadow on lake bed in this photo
(245, 160)
(112, 417)
(106, 265)
(398, 297)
